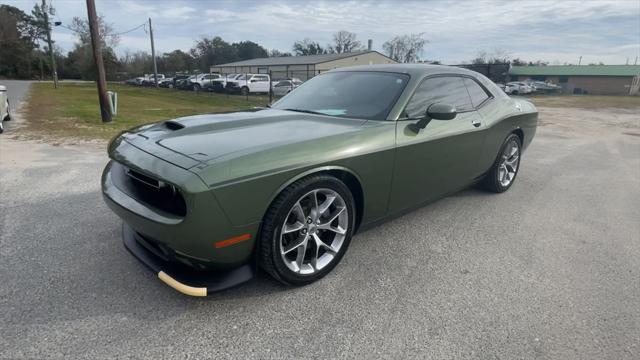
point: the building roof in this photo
(577, 70)
(413, 69)
(294, 60)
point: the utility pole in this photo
(105, 113)
(580, 60)
(153, 54)
(54, 72)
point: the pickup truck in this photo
(249, 83)
(203, 81)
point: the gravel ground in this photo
(549, 269)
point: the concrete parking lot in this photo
(548, 270)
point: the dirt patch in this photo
(589, 121)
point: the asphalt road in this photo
(550, 269)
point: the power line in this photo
(128, 31)
(117, 34)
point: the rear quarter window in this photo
(476, 92)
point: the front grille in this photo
(149, 190)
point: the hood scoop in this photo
(173, 125)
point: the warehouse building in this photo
(301, 67)
(584, 79)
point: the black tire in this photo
(8, 118)
(514, 92)
(196, 87)
(269, 244)
(244, 91)
(491, 181)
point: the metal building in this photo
(583, 79)
(301, 67)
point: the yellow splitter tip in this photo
(185, 289)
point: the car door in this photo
(261, 83)
(442, 157)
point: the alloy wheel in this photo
(314, 231)
(509, 163)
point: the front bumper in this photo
(179, 277)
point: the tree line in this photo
(23, 50)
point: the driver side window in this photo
(443, 89)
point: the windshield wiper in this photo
(306, 111)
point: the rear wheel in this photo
(196, 87)
(307, 230)
(505, 169)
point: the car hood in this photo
(210, 138)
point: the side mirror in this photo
(438, 112)
(441, 111)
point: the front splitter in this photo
(193, 283)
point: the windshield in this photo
(357, 94)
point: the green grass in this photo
(586, 101)
(72, 111)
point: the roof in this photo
(577, 70)
(295, 60)
(411, 69)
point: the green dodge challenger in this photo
(207, 200)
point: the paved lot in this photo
(550, 269)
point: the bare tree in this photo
(405, 48)
(278, 53)
(107, 36)
(497, 56)
(344, 42)
(307, 47)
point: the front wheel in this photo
(504, 170)
(244, 91)
(196, 87)
(307, 230)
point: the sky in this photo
(557, 31)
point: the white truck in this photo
(250, 83)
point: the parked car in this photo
(544, 87)
(219, 84)
(166, 83)
(185, 83)
(133, 81)
(516, 87)
(5, 114)
(204, 199)
(151, 76)
(249, 84)
(283, 87)
(177, 79)
(203, 81)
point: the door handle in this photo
(475, 122)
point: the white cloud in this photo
(605, 30)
